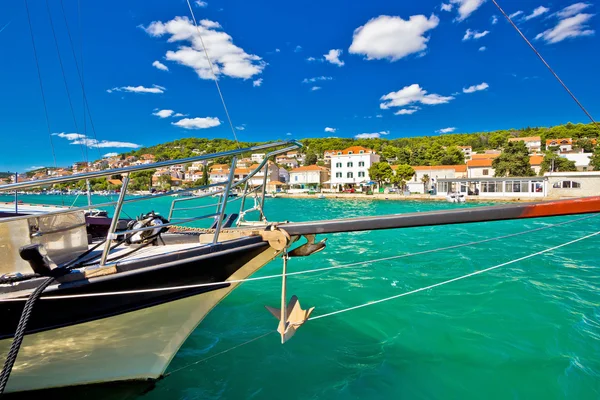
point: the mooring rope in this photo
(370, 303)
(310, 271)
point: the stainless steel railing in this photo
(227, 186)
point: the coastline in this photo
(412, 197)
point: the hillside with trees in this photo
(423, 150)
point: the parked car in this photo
(351, 190)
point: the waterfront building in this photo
(350, 168)
(433, 173)
(257, 157)
(582, 160)
(308, 177)
(573, 184)
(513, 187)
(467, 151)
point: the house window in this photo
(567, 185)
(338, 165)
(350, 164)
(361, 152)
(338, 174)
(350, 175)
(485, 172)
(361, 163)
(361, 174)
(296, 178)
(350, 152)
(339, 153)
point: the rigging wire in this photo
(37, 64)
(219, 353)
(481, 271)
(80, 75)
(212, 70)
(545, 63)
(82, 142)
(199, 285)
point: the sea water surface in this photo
(528, 330)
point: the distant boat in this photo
(453, 197)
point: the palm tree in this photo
(425, 180)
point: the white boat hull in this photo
(134, 346)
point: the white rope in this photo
(199, 285)
(453, 280)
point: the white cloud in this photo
(138, 89)
(412, 94)
(469, 34)
(494, 20)
(515, 14)
(163, 113)
(298, 49)
(240, 128)
(332, 130)
(159, 65)
(570, 25)
(571, 10)
(317, 78)
(78, 138)
(197, 123)
(536, 13)
(482, 48)
(315, 88)
(311, 59)
(446, 130)
(446, 7)
(227, 58)
(466, 7)
(288, 134)
(107, 155)
(476, 88)
(392, 38)
(374, 135)
(407, 111)
(333, 56)
(200, 3)
(34, 167)
(257, 82)
(379, 116)
(277, 51)
(178, 115)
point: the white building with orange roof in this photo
(533, 143)
(433, 173)
(350, 167)
(563, 145)
(308, 177)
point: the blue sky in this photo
(287, 70)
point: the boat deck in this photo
(146, 252)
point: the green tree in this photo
(595, 159)
(555, 163)
(204, 180)
(381, 172)
(142, 180)
(453, 156)
(514, 161)
(435, 154)
(404, 173)
(425, 179)
(310, 158)
(165, 182)
(585, 144)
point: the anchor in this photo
(292, 316)
(309, 248)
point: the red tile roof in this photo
(309, 168)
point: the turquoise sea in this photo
(528, 330)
